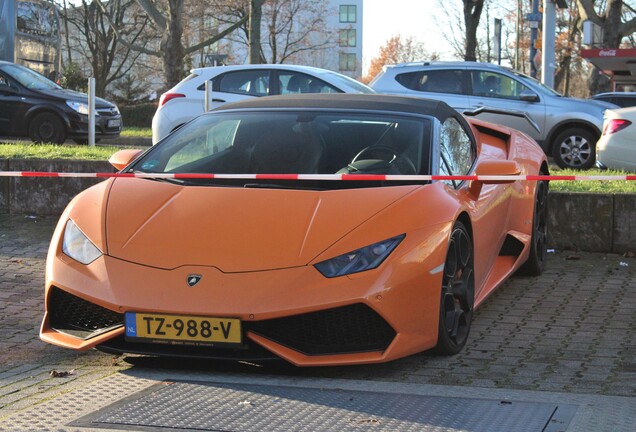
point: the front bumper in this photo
(295, 314)
(107, 125)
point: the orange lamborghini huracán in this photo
(311, 228)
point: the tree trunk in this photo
(171, 46)
(256, 14)
(472, 13)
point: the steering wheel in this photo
(385, 153)
(381, 152)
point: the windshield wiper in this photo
(277, 186)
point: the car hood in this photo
(72, 95)
(164, 225)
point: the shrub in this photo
(138, 115)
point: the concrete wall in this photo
(577, 221)
(592, 222)
(44, 196)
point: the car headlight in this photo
(80, 107)
(359, 260)
(77, 246)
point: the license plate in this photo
(183, 328)
(113, 123)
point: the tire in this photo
(535, 264)
(47, 128)
(575, 148)
(457, 293)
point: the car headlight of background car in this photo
(80, 107)
(359, 260)
(77, 246)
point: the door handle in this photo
(218, 100)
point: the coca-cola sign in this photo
(607, 53)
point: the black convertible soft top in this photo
(345, 101)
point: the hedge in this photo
(138, 115)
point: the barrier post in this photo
(91, 111)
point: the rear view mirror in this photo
(123, 158)
(500, 168)
(528, 96)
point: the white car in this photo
(617, 147)
(186, 100)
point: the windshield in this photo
(284, 142)
(340, 80)
(29, 78)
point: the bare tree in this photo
(608, 15)
(472, 14)
(172, 51)
(295, 27)
(93, 32)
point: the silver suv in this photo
(568, 127)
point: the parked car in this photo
(617, 146)
(569, 128)
(186, 100)
(622, 99)
(299, 227)
(34, 106)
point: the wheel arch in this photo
(589, 127)
(465, 219)
(39, 109)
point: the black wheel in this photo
(535, 264)
(47, 128)
(458, 293)
(574, 148)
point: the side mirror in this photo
(528, 96)
(499, 168)
(123, 158)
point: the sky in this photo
(417, 18)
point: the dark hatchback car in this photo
(32, 105)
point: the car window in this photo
(201, 143)
(492, 84)
(29, 78)
(456, 148)
(299, 142)
(434, 81)
(250, 82)
(294, 82)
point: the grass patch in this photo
(592, 186)
(136, 132)
(52, 151)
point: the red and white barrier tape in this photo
(367, 177)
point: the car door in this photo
(489, 210)
(239, 85)
(13, 106)
(497, 90)
(448, 85)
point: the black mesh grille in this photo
(78, 317)
(347, 329)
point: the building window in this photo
(348, 13)
(347, 61)
(347, 38)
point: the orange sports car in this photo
(311, 228)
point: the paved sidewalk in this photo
(570, 333)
